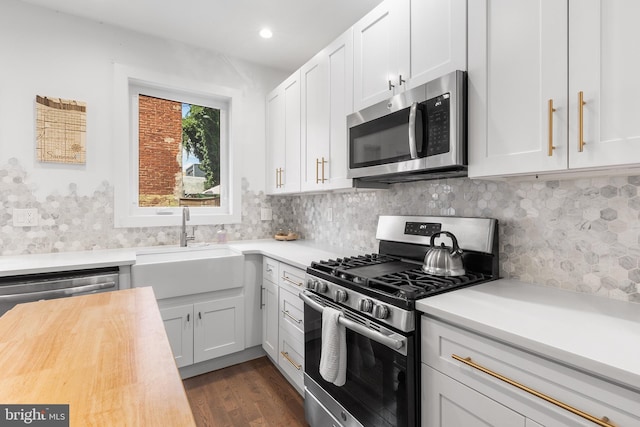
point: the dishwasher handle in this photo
(55, 293)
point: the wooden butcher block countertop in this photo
(106, 355)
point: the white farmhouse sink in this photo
(174, 271)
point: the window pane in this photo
(179, 154)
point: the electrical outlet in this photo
(25, 217)
(266, 214)
(329, 214)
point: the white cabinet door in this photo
(275, 139)
(327, 99)
(270, 319)
(448, 403)
(381, 51)
(283, 137)
(517, 63)
(219, 328)
(291, 358)
(178, 323)
(438, 39)
(314, 128)
(603, 65)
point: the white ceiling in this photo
(300, 28)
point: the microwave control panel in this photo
(438, 124)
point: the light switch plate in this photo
(329, 214)
(266, 214)
(25, 217)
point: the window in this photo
(173, 141)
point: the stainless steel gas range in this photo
(375, 295)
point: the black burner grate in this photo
(397, 278)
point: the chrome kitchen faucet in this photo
(184, 237)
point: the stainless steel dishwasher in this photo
(34, 287)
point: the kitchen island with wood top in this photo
(105, 355)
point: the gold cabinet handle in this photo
(279, 183)
(581, 103)
(603, 422)
(287, 279)
(320, 178)
(551, 111)
(286, 313)
(294, 364)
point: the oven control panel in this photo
(399, 318)
(422, 228)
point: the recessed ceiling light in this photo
(266, 33)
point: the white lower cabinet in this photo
(291, 359)
(448, 403)
(219, 328)
(283, 319)
(469, 379)
(204, 330)
(270, 318)
(178, 322)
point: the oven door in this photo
(380, 389)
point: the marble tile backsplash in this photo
(71, 222)
(576, 234)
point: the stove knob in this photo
(341, 295)
(311, 284)
(365, 305)
(319, 286)
(380, 311)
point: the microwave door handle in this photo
(413, 149)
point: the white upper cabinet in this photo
(404, 43)
(517, 63)
(438, 39)
(326, 100)
(283, 137)
(603, 65)
(521, 55)
(379, 41)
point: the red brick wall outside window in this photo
(160, 151)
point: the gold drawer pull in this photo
(581, 103)
(551, 146)
(604, 421)
(286, 356)
(298, 284)
(286, 313)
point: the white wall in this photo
(56, 55)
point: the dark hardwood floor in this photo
(252, 394)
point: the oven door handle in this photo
(389, 341)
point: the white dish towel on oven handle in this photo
(333, 354)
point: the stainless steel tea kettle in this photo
(440, 261)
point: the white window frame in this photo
(129, 83)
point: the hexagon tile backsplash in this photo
(576, 234)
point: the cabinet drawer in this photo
(270, 269)
(291, 313)
(291, 278)
(291, 358)
(594, 396)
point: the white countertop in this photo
(299, 253)
(13, 265)
(591, 333)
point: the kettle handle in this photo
(455, 247)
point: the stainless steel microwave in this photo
(416, 135)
